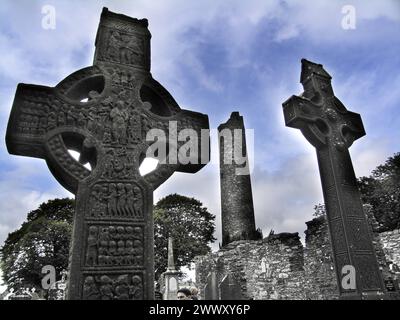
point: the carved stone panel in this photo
(116, 200)
(115, 245)
(108, 286)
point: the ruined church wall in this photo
(320, 274)
(387, 245)
(267, 269)
(320, 277)
(279, 267)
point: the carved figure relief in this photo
(113, 287)
(99, 111)
(124, 48)
(114, 246)
(116, 200)
(119, 116)
(119, 164)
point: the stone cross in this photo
(331, 129)
(171, 276)
(171, 259)
(105, 112)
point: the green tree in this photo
(42, 240)
(189, 223)
(319, 210)
(382, 191)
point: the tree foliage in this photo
(382, 191)
(189, 223)
(319, 210)
(42, 240)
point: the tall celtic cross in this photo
(331, 129)
(105, 112)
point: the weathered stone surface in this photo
(266, 269)
(332, 129)
(383, 240)
(230, 289)
(320, 277)
(112, 243)
(211, 290)
(280, 268)
(238, 222)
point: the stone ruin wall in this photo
(242, 259)
(291, 270)
(320, 278)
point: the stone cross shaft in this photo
(331, 129)
(105, 112)
(171, 260)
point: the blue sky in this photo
(216, 57)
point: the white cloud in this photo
(367, 154)
(30, 53)
(289, 31)
(204, 186)
(320, 21)
(16, 208)
(285, 194)
(23, 188)
(284, 199)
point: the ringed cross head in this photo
(106, 112)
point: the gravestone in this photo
(230, 289)
(211, 290)
(21, 294)
(106, 112)
(390, 285)
(58, 288)
(331, 129)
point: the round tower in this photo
(238, 222)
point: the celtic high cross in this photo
(331, 129)
(105, 112)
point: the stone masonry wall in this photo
(320, 277)
(266, 269)
(279, 267)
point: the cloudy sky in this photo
(216, 57)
